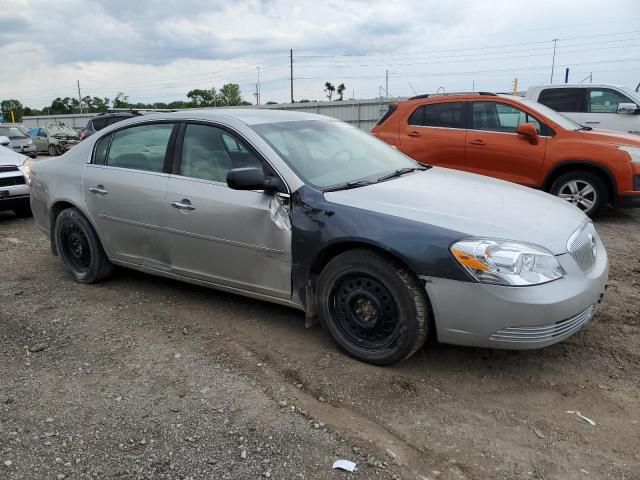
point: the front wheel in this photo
(585, 190)
(79, 248)
(373, 307)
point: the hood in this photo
(612, 136)
(60, 128)
(9, 157)
(471, 204)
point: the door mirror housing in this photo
(4, 141)
(528, 130)
(252, 178)
(628, 108)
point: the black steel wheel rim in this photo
(75, 247)
(364, 311)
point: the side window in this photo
(605, 100)
(100, 155)
(140, 148)
(446, 115)
(562, 99)
(209, 152)
(499, 117)
(99, 123)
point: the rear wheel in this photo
(373, 307)
(585, 190)
(53, 150)
(79, 248)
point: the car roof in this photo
(579, 85)
(249, 116)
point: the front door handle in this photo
(413, 134)
(183, 204)
(99, 189)
(592, 123)
(477, 142)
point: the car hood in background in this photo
(472, 204)
(9, 157)
(61, 129)
(612, 136)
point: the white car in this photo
(609, 107)
(14, 180)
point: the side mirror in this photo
(528, 130)
(5, 141)
(252, 178)
(628, 108)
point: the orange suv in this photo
(518, 140)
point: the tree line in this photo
(228, 95)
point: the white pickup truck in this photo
(605, 106)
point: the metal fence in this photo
(360, 113)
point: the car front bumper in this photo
(493, 316)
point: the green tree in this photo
(341, 89)
(9, 106)
(203, 98)
(329, 88)
(230, 95)
(61, 106)
(121, 101)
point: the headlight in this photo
(633, 152)
(503, 262)
(26, 170)
(29, 142)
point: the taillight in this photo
(83, 135)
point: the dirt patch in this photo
(142, 377)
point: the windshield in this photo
(326, 153)
(12, 132)
(635, 96)
(552, 115)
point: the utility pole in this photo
(566, 75)
(553, 62)
(515, 86)
(79, 96)
(386, 84)
(258, 88)
(291, 73)
(473, 86)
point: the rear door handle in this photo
(99, 189)
(413, 134)
(477, 142)
(183, 204)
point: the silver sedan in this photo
(309, 212)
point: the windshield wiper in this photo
(399, 172)
(348, 185)
(587, 129)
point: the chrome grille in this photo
(582, 246)
(543, 333)
(8, 168)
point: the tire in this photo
(375, 309)
(52, 151)
(79, 248)
(572, 186)
(23, 211)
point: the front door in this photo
(228, 237)
(434, 134)
(40, 140)
(124, 189)
(495, 149)
(602, 111)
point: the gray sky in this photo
(159, 50)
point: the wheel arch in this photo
(593, 167)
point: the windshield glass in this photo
(325, 153)
(635, 96)
(552, 115)
(12, 132)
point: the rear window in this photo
(562, 99)
(117, 118)
(444, 115)
(392, 108)
(99, 123)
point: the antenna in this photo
(414, 90)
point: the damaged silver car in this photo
(312, 213)
(54, 138)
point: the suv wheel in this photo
(52, 150)
(585, 190)
(373, 307)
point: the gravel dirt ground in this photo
(143, 377)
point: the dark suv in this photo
(102, 120)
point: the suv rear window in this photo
(99, 123)
(392, 108)
(447, 115)
(562, 99)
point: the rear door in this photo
(238, 239)
(568, 101)
(602, 110)
(435, 133)
(495, 149)
(124, 189)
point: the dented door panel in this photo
(239, 239)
